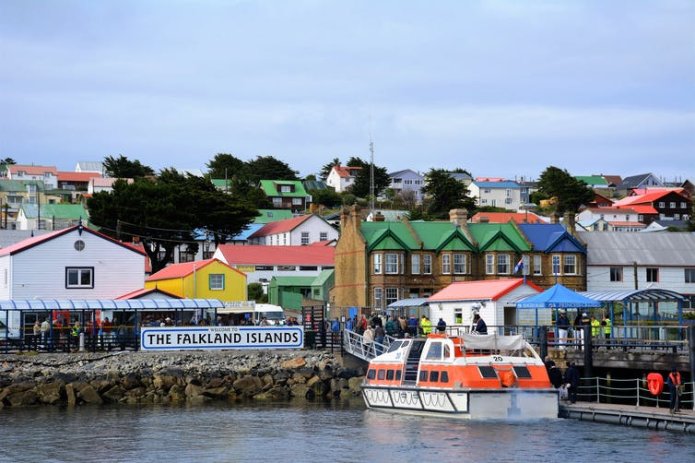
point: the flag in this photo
(519, 265)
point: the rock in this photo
(70, 395)
(101, 385)
(293, 363)
(176, 394)
(355, 385)
(193, 390)
(115, 394)
(19, 399)
(216, 392)
(51, 393)
(248, 385)
(130, 381)
(90, 395)
(313, 381)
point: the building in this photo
(72, 263)
(286, 194)
(99, 184)
(203, 279)
(341, 178)
(609, 219)
(504, 217)
(91, 166)
(658, 204)
(14, 194)
(47, 174)
(298, 231)
(638, 181)
(294, 292)
(404, 182)
(504, 194)
(50, 216)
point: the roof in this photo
(345, 171)
(270, 187)
(613, 180)
(647, 198)
(642, 209)
(107, 304)
(248, 230)
(557, 297)
(139, 293)
(294, 281)
(37, 240)
(634, 181)
(633, 295)
(76, 176)
(504, 184)
(12, 186)
(281, 226)
(479, 290)
(652, 249)
(619, 223)
(57, 211)
(90, 166)
(410, 302)
(32, 170)
(400, 173)
(185, 269)
(315, 185)
(551, 237)
(504, 217)
(271, 215)
(278, 255)
(106, 182)
(592, 180)
(607, 210)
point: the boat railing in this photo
(354, 343)
(631, 392)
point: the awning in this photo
(411, 302)
(634, 295)
(40, 305)
(557, 297)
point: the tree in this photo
(7, 161)
(268, 168)
(445, 193)
(255, 293)
(361, 186)
(570, 192)
(122, 167)
(326, 197)
(326, 169)
(225, 165)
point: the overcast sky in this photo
(501, 88)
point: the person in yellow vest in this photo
(606, 323)
(595, 327)
(425, 325)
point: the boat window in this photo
(371, 374)
(395, 346)
(434, 376)
(398, 375)
(487, 372)
(522, 372)
(381, 374)
(445, 376)
(435, 351)
(423, 375)
(447, 351)
(389, 375)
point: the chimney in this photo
(379, 217)
(458, 217)
(554, 218)
(569, 222)
(484, 219)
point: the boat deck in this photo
(630, 415)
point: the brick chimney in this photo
(458, 217)
(570, 223)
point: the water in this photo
(314, 433)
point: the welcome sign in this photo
(222, 337)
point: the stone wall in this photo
(174, 377)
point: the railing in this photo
(630, 392)
(354, 344)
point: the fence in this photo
(630, 392)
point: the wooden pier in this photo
(630, 415)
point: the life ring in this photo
(508, 378)
(655, 383)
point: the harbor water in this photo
(314, 433)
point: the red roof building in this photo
(504, 217)
(658, 204)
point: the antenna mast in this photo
(371, 173)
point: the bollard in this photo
(81, 342)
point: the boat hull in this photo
(483, 404)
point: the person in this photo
(349, 324)
(578, 329)
(264, 322)
(479, 325)
(554, 374)
(362, 325)
(402, 326)
(335, 325)
(379, 335)
(412, 326)
(45, 328)
(105, 333)
(572, 382)
(607, 324)
(674, 389)
(392, 327)
(368, 339)
(75, 334)
(37, 334)
(563, 325)
(595, 327)
(441, 325)
(425, 325)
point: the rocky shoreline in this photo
(174, 377)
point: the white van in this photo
(273, 313)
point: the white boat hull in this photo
(524, 404)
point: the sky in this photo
(500, 88)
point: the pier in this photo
(630, 415)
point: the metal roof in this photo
(108, 304)
(411, 302)
(634, 295)
(652, 249)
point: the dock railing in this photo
(631, 392)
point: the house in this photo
(629, 261)
(610, 219)
(593, 181)
(504, 217)
(638, 181)
(658, 204)
(600, 201)
(297, 231)
(15, 193)
(378, 263)
(495, 300)
(99, 184)
(286, 194)
(50, 216)
(504, 194)
(75, 181)
(342, 177)
(72, 263)
(293, 292)
(91, 166)
(262, 263)
(206, 279)
(47, 174)
(404, 182)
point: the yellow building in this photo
(203, 279)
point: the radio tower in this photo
(371, 174)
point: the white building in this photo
(298, 231)
(609, 219)
(407, 180)
(73, 263)
(342, 177)
(505, 194)
(47, 174)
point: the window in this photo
(381, 374)
(216, 282)
(445, 377)
(305, 238)
(264, 268)
(378, 298)
(690, 275)
(652, 275)
(79, 277)
(489, 264)
(277, 202)
(391, 295)
(286, 268)
(683, 205)
(186, 256)
(308, 268)
(435, 351)
(616, 274)
(389, 375)
(537, 265)
(434, 376)
(570, 265)
(459, 263)
(323, 236)
(522, 372)
(556, 265)
(415, 264)
(508, 200)
(662, 204)
(391, 263)
(376, 263)
(446, 263)
(503, 264)
(371, 374)
(427, 264)
(285, 189)
(672, 205)
(296, 201)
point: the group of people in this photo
(50, 333)
(599, 328)
(568, 382)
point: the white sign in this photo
(222, 337)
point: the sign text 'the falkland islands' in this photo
(222, 337)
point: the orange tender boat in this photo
(468, 376)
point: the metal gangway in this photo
(354, 344)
